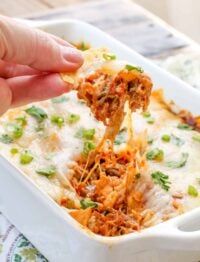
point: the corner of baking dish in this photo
(169, 229)
(57, 210)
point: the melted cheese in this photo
(60, 146)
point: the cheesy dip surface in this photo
(45, 139)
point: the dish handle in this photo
(180, 233)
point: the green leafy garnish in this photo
(87, 202)
(6, 139)
(121, 137)
(14, 130)
(180, 163)
(109, 56)
(87, 147)
(150, 120)
(38, 113)
(26, 158)
(146, 114)
(14, 151)
(40, 127)
(161, 179)
(136, 68)
(49, 172)
(81, 102)
(49, 156)
(21, 120)
(88, 133)
(73, 118)
(177, 141)
(184, 126)
(196, 138)
(155, 154)
(83, 46)
(166, 138)
(85, 133)
(150, 140)
(192, 191)
(57, 120)
(59, 99)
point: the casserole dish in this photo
(56, 234)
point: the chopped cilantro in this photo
(109, 56)
(59, 99)
(150, 120)
(87, 147)
(192, 191)
(49, 172)
(136, 68)
(26, 158)
(38, 113)
(14, 130)
(146, 114)
(83, 46)
(6, 139)
(88, 133)
(57, 120)
(88, 203)
(85, 133)
(14, 151)
(166, 138)
(180, 163)
(121, 137)
(161, 179)
(196, 137)
(150, 140)
(155, 154)
(21, 120)
(40, 127)
(177, 141)
(81, 102)
(73, 118)
(184, 126)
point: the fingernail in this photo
(72, 55)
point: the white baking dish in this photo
(55, 233)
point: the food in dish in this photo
(50, 142)
(105, 179)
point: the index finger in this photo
(23, 45)
(28, 89)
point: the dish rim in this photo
(167, 229)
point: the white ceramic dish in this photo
(56, 234)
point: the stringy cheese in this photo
(60, 147)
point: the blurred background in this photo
(184, 15)
(181, 14)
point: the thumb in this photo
(18, 91)
(21, 44)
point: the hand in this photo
(30, 62)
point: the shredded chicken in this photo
(107, 94)
(110, 183)
(108, 178)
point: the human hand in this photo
(30, 62)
